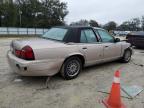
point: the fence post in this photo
(27, 31)
(43, 30)
(35, 31)
(18, 30)
(7, 31)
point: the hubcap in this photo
(73, 68)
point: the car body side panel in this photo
(47, 67)
(93, 53)
(125, 46)
(112, 50)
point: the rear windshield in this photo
(55, 34)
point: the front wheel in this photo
(127, 56)
(71, 68)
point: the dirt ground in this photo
(30, 92)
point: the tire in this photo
(127, 56)
(71, 68)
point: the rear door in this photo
(112, 49)
(90, 47)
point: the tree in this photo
(33, 13)
(135, 24)
(132, 25)
(27, 12)
(110, 26)
(142, 23)
(8, 14)
(80, 23)
(54, 12)
(93, 23)
(125, 26)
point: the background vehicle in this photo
(136, 39)
(66, 50)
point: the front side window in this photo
(56, 34)
(105, 36)
(87, 36)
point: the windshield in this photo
(55, 34)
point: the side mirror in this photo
(117, 40)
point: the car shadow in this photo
(38, 82)
(41, 80)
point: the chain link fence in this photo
(21, 31)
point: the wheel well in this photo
(79, 56)
(128, 49)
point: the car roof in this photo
(72, 27)
(77, 27)
(98, 28)
(138, 33)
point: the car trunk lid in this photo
(34, 43)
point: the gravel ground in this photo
(30, 92)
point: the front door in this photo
(90, 47)
(112, 49)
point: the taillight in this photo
(25, 53)
(18, 53)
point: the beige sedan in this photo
(66, 50)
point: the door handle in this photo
(106, 46)
(84, 48)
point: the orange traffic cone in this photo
(114, 99)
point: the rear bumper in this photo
(48, 67)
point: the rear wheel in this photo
(127, 56)
(71, 68)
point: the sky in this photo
(104, 11)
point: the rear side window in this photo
(56, 34)
(87, 36)
(83, 37)
(105, 36)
